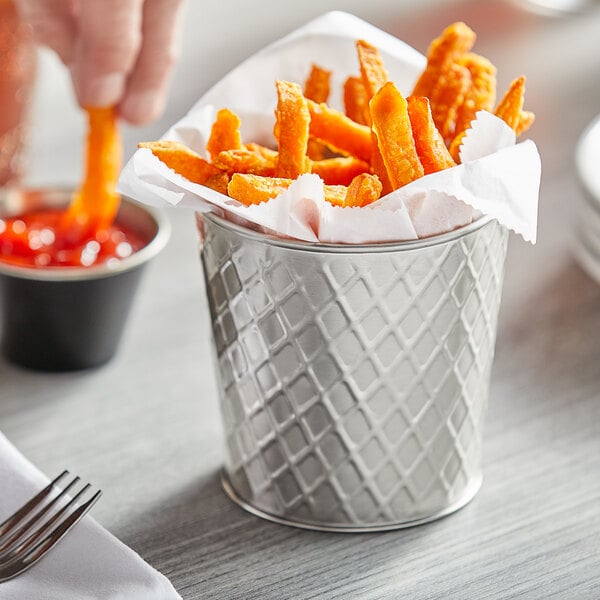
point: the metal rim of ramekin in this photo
(60, 274)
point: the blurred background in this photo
(550, 41)
(218, 35)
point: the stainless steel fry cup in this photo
(353, 379)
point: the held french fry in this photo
(225, 133)
(431, 150)
(95, 205)
(293, 119)
(391, 125)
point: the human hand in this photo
(119, 52)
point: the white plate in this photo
(587, 161)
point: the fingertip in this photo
(142, 107)
(101, 90)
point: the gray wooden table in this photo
(146, 426)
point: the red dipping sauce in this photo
(37, 240)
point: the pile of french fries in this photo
(381, 142)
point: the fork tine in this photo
(20, 563)
(9, 540)
(61, 530)
(19, 545)
(9, 523)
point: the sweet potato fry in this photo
(246, 161)
(391, 124)
(481, 94)
(373, 76)
(254, 189)
(293, 121)
(316, 88)
(338, 194)
(340, 170)
(263, 151)
(525, 121)
(316, 150)
(356, 103)
(339, 131)
(447, 97)
(364, 189)
(378, 166)
(218, 182)
(96, 203)
(225, 133)
(444, 81)
(431, 149)
(510, 107)
(372, 69)
(335, 194)
(187, 163)
(455, 144)
(456, 40)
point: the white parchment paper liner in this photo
(497, 177)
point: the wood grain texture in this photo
(146, 427)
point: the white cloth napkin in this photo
(88, 564)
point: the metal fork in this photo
(34, 529)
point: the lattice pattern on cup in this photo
(353, 385)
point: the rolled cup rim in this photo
(64, 274)
(353, 248)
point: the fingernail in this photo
(140, 107)
(104, 90)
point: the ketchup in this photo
(38, 240)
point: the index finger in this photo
(109, 37)
(147, 85)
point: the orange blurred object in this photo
(95, 205)
(17, 76)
